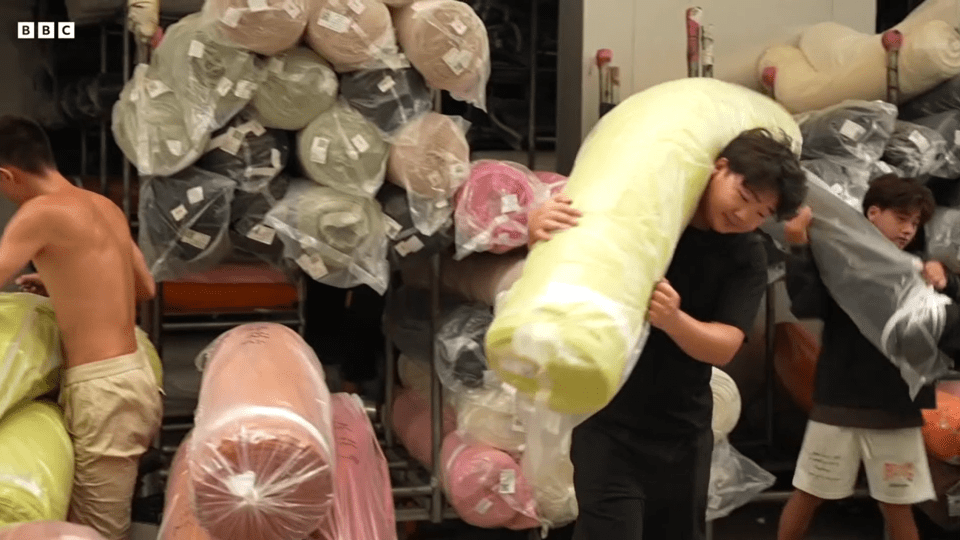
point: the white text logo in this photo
(45, 30)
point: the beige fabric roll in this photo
(299, 87)
(351, 34)
(489, 416)
(267, 27)
(481, 277)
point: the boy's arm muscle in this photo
(709, 342)
(146, 287)
(22, 239)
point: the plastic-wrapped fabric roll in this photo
(179, 520)
(447, 42)
(299, 86)
(491, 208)
(388, 98)
(352, 34)
(337, 238)
(212, 79)
(414, 374)
(151, 127)
(570, 326)
(488, 416)
(461, 362)
(555, 182)
(184, 222)
(546, 464)
(795, 361)
(947, 124)
(49, 530)
(848, 181)
(734, 480)
(266, 27)
(852, 131)
(246, 152)
(481, 277)
(36, 464)
(405, 238)
(397, 3)
(342, 150)
(943, 237)
(726, 403)
(880, 168)
(430, 158)
(943, 98)
(486, 487)
(879, 287)
(32, 357)
(364, 498)
(941, 428)
(411, 422)
(262, 456)
(407, 320)
(914, 149)
(249, 233)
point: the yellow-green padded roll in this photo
(36, 464)
(570, 329)
(30, 357)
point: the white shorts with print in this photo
(895, 461)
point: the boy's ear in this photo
(6, 174)
(873, 212)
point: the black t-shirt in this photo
(720, 278)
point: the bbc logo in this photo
(45, 30)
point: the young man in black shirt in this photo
(642, 464)
(862, 409)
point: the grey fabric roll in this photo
(351, 34)
(183, 222)
(943, 98)
(387, 98)
(152, 129)
(854, 131)
(405, 240)
(462, 361)
(342, 150)
(914, 149)
(947, 124)
(847, 181)
(943, 237)
(267, 27)
(298, 87)
(247, 152)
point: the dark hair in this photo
(24, 145)
(767, 163)
(891, 192)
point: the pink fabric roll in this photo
(179, 520)
(411, 423)
(49, 530)
(491, 207)
(262, 453)
(486, 487)
(555, 182)
(267, 27)
(352, 34)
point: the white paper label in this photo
(852, 130)
(296, 77)
(442, 203)
(360, 143)
(196, 49)
(195, 194)
(318, 150)
(275, 65)
(231, 17)
(393, 228)
(243, 484)
(261, 233)
(175, 147)
(485, 505)
(179, 213)
(312, 265)
(884, 168)
(258, 5)
(195, 239)
(919, 140)
(245, 89)
(956, 138)
(333, 21)
(224, 86)
(275, 159)
(292, 9)
(509, 203)
(837, 189)
(156, 88)
(458, 26)
(387, 84)
(408, 246)
(356, 6)
(234, 139)
(256, 128)
(452, 59)
(508, 482)
(466, 58)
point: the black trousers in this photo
(632, 488)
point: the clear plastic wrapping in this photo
(262, 454)
(486, 486)
(336, 238)
(847, 180)
(213, 80)
(941, 428)
(481, 277)
(492, 207)
(179, 520)
(726, 404)
(430, 158)
(352, 34)
(546, 461)
(461, 363)
(266, 27)
(49, 530)
(184, 222)
(246, 152)
(879, 287)
(555, 182)
(852, 131)
(152, 129)
(914, 149)
(36, 464)
(447, 42)
(252, 201)
(405, 239)
(32, 357)
(341, 149)
(943, 98)
(388, 98)
(413, 426)
(734, 481)
(488, 416)
(298, 87)
(947, 124)
(943, 237)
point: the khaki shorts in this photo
(113, 410)
(894, 459)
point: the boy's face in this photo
(899, 226)
(732, 207)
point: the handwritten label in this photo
(263, 234)
(452, 59)
(312, 265)
(508, 482)
(318, 150)
(195, 239)
(179, 213)
(334, 21)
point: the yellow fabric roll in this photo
(36, 464)
(571, 327)
(30, 356)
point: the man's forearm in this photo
(711, 343)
